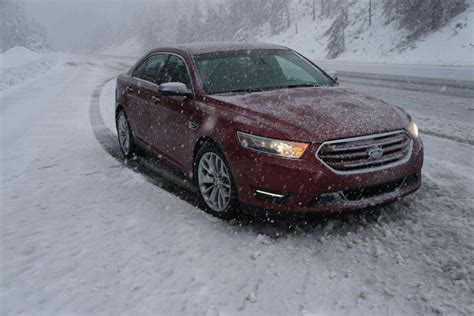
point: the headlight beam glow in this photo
(271, 146)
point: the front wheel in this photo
(216, 188)
(124, 133)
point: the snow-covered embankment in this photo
(19, 64)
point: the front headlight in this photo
(271, 146)
(413, 130)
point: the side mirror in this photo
(333, 74)
(176, 89)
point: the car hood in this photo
(314, 114)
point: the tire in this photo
(124, 134)
(215, 185)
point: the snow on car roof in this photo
(213, 47)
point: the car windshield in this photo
(257, 70)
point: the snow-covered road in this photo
(83, 232)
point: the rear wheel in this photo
(216, 188)
(125, 137)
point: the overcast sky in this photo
(72, 24)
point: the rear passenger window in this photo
(176, 71)
(138, 72)
(149, 70)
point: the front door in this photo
(172, 118)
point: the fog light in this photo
(272, 197)
(329, 198)
(270, 194)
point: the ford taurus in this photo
(258, 126)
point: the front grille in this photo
(366, 153)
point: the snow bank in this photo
(19, 64)
(17, 56)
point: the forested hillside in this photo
(357, 30)
(249, 19)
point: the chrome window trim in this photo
(366, 170)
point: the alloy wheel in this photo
(123, 131)
(214, 182)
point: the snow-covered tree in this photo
(17, 30)
(328, 7)
(336, 42)
(182, 32)
(196, 25)
(159, 25)
(421, 16)
(278, 15)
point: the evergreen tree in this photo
(279, 15)
(336, 42)
(328, 7)
(182, 33)
(419, 17)
(196, 25)
(17, 30)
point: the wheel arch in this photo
(119, 108)
(200, 142)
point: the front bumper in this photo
(287, 185)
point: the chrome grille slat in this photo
(347, 147)
(352, 154)
(396, 147)
(357, 164)
(338, 157)
(350, 160)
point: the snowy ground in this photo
(19, 64)
(83, 232)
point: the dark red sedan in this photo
(259, 126)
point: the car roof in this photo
(214, 47)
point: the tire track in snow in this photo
(102, 133)
(448, 137)
(153, 170)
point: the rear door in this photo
(134, 113)
(144, 93)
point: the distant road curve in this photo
(442, 72)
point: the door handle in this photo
(129, 89)
(192, 125)
(155, 99)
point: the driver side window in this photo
(176, 71)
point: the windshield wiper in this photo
(239, 91)
(302, 85)
(250, 90)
